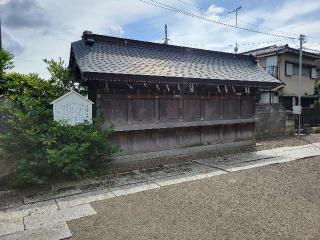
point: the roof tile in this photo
(105, 57)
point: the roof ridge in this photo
(96, 38)
(276, 48)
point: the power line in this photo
(176, 10)
(257, 43)
(191, 4)
(204, 46)
(311, 49)
(245, 22)
(297, 47)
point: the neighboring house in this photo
(282, 62)
(159, 96)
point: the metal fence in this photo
(309, 116)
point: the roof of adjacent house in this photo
(275, 49)
(107, 58)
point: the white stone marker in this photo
(72, 108)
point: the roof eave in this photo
(112, 77)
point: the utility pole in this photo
(166, 39)
(236, 11)
(299, 90)
(0, 36)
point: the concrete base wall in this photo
(158, 158)
(273, 121)
(153, 140)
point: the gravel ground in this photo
(280, 201)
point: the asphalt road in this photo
(279, 201)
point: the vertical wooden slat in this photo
(238, 107)
(181, 108)
(156, 110)
(221, 106)
(129, 116)
(202, 108)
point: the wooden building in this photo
(159, 96)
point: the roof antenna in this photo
(236, 11)
(166, 39)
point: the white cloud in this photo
(116, 31)
(67, 21)
(283, 19)
(214, 10)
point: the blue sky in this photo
(37, 29)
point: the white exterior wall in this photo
(272, 61)
(265, 98)
(308, 83)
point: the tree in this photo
(63, 76)
(6, 61)
(44, 150)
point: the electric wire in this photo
(176, 10)
(239, 20)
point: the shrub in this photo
(6, 61)
(45, 150)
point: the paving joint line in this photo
(55, 201)
(131, 184)
(156, 178)
(24, 225)
(215, 167)
(222, 169)
(156, 183)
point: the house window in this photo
(305, 70)
(314, 73)
(289, 69)
(272, 70)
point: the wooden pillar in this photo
(202, 108)
(221, 106)
(180, 108)
(156, 109)
(129, 110)
(239, 106)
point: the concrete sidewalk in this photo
(44, 215)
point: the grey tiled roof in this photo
(279, 49)
(168, 61)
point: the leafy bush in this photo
(6, 61)
(43, 149)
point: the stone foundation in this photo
(274, 121)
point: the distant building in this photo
(282, 62)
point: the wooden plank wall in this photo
(124, 110)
